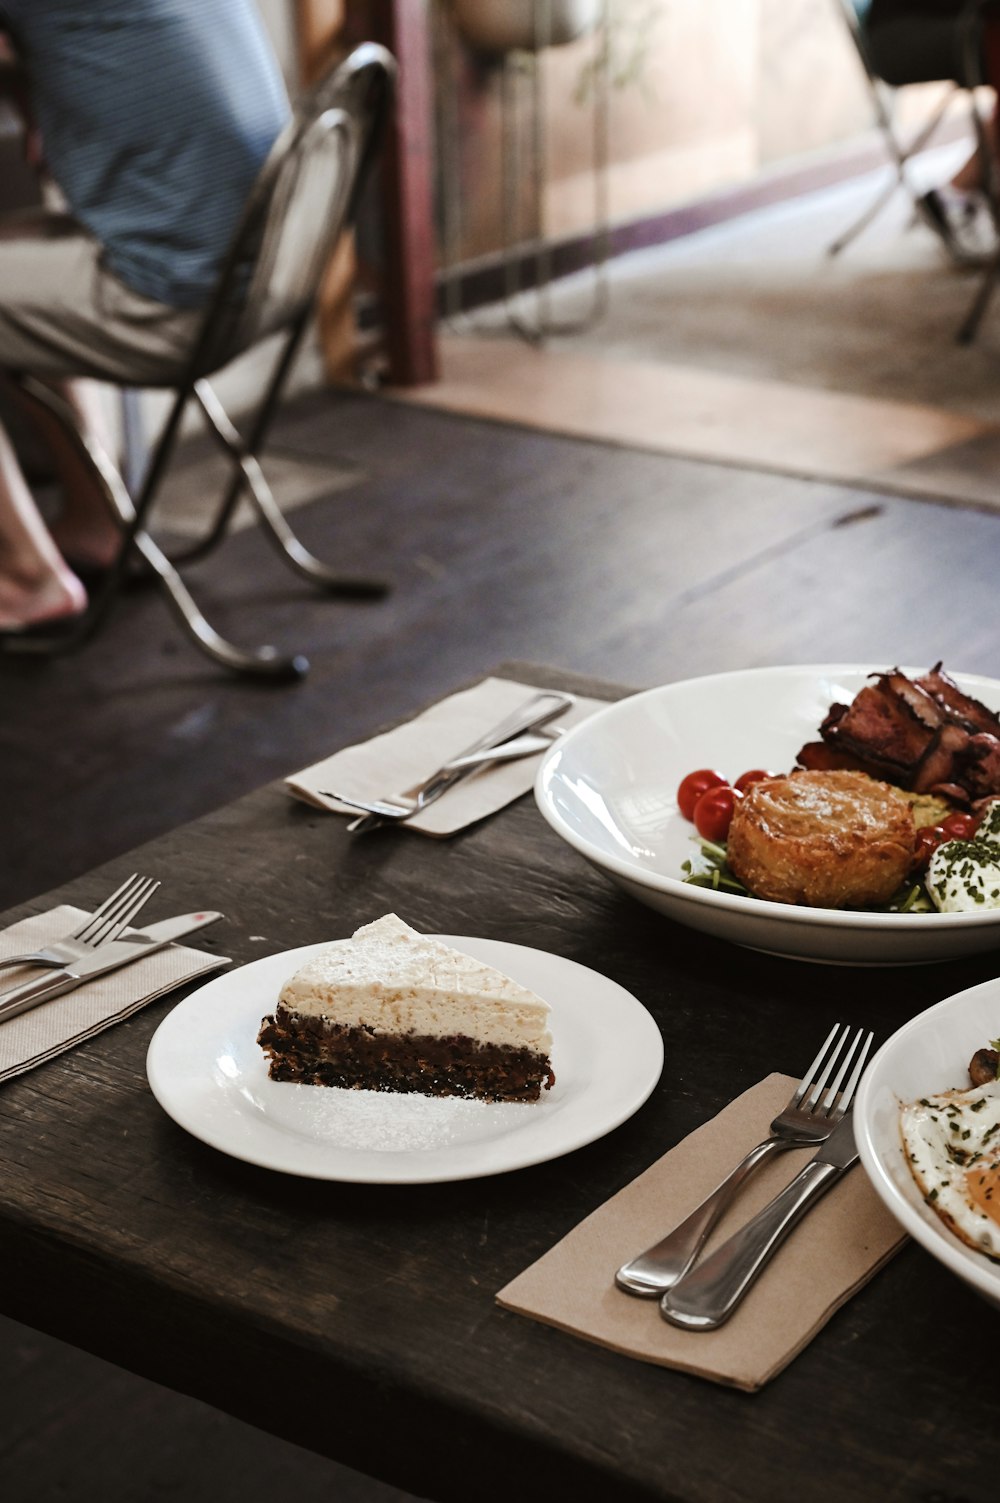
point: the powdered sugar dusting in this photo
(387, 1122)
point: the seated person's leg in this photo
(40, 269)
(85, 531)
(63, 316)
(35, 583)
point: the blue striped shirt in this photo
(155, 117)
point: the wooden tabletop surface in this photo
(360, 1320)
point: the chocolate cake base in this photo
(313, 1051)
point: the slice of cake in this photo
(392, 1010)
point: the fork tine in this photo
(819, 1087)
(124, 917)
(100, 927)
(381, 807)
(809, 1078)
(109, 903)
(825, 1105)
(852, 1084)
(829, 1105)
(109, 922)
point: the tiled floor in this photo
(747, 344)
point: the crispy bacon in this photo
(921, 704)
(817, 756)
(959, 707)
(881, 729)
(941, 758)
(981, 765)
(925, 734)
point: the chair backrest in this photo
(304, 197)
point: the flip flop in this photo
(91, 576)
(55, 626)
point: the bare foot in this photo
(29, 603)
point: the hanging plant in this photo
(623, 50)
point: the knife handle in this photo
(706, 1297)
(19, 998)
(528, 717)
(30, 993)
(663, 1265)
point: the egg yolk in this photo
(983, 1184)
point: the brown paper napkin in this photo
(32, 1037)
(841, 1243)
(400, 758)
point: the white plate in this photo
(207, 1072)
(609, 787)
(931, 1053)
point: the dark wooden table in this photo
(360, 1320)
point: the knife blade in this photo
(131, 946)
(709, 1293)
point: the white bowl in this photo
(931, 1053)
(609, 789)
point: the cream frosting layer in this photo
(398, 981)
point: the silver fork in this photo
(499, 742)
(809, 1118)
(103, 925)
(413, 800)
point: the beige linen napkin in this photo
(845, 1239)
(30, 1038)
(400, 758)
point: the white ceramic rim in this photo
(676, 888)
(610, 1045)
(927, 1229)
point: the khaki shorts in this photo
(62, 313)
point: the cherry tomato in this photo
(927, 842)
(755, 775)
(713, 813)
(694, 785)
(958, 826)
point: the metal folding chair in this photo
(968, 32)
(901, 152)
(304, 197)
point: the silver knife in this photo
(708, 1294)
(542, 708)
(131, 946)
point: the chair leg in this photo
(250, 477)
(262, 662)
(864, 220)
(901, 156)
(258, 431)
(981, 301)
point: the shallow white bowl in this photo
(609, 788)
(931, 1053)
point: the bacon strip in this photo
(959, 707)
(880, 728)
(925, 734)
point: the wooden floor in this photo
(504, 543)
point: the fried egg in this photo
(952, 1145)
